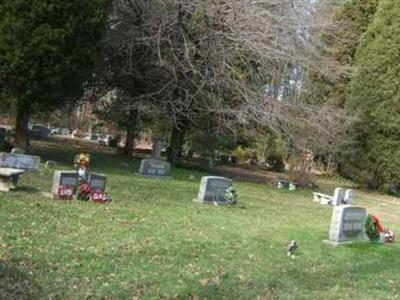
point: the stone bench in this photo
(340, 197)
(12, 165)
(322, 198)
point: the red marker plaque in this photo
(98, 196)
(65, 192)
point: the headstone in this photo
(213, 188)
(19, 161)
(50, 164)
(64, 184)
(17, 151)
(338, 197)
(350, 197)
(155, 168)
(347, 225)
(97, 182)
(158, 145)
(292, 187)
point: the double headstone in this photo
(213, 189)
(65, 183)
(338, 197)
(341, 197)
(155, 167)
(347, 225)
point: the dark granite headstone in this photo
(155, 168)
(97, 182)
(66, 179)
(19, 161)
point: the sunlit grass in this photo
(154, 242)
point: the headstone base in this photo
(336, 244)
(215, 203)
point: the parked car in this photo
(61, 131)
(91, 137)
(38, 131)
(106, 140)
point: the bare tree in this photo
(237, 61)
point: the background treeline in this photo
(295, 83)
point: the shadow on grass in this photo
(28, 189)
(15, 284)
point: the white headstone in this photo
(212, 189)
(338, 197)
(347, 225)
(350, 197)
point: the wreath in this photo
(373, 228)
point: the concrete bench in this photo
(12, 165)
(340, 197)
(322, 198)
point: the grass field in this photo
(154, 242)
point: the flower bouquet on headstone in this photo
(84, 191)
(82, 161)
(231, 196)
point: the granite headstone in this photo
(155, 168)
(347, 225)
(97, 182)
(213, 189)
(19, 161)
(64, 180)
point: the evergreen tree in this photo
(47, 49)
(375, 95)
(352, 19)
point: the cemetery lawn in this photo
(154, 242)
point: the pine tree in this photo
(47, 49)
(375, 95)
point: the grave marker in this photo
(347, 225)
(155, 168)
(19, 161)
(64, 184)
(97, 182)
(213, 189)
(350, 197)
(338, 197)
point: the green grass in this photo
(154, 242)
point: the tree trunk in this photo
(176, 143)
(21, 126)
(131, 132)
